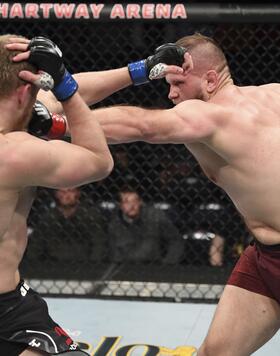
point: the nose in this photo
(173, 93)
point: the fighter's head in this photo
(206, 69)
(21, 94)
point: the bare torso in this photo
(15, 205)
(243, 157)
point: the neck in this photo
(10, 118)
(225, 80)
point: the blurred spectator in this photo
(142, 233)
(124, 171)
(216, 251)
(69, 231)
(207, 233)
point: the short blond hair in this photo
(9, 70)
(204, 48)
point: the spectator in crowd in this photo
(201, 221)
(142, 233)
(216, 251)
(124, 171)
(69, 231)
(211, 219)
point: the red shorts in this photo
(258, 270)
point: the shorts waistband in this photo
(16, 291)
(275, 247)
(10, 300)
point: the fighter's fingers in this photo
(29, 76)
(160, 70)
(171, 69)
(188, 62)
(17, 46)
(21, 56)
(42, 80)
(18, 40)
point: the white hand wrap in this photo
(158, 71)
(45, 81)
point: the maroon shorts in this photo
(258, 270)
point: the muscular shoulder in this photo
(15, 138)
(261, 91)
(12, 154)
(270, 86)
(12, 144)
(216, 112)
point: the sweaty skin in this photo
(242, 156)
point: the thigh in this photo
(243, 322)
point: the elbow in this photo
(109, 165)
(105, 166)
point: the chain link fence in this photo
(188, 236)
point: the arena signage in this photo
(94, 11)
(109, 346)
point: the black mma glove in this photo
(46, 56)
(45, 124)
(147, 69)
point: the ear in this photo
(24, 94)
(212, 81)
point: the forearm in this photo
(96, 86)
(123, 124)
(120, 124)
(93, 87)
(86, 131)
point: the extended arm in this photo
(93, 87)
(190, 121)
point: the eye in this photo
(178, 83)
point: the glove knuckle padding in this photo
(45, 124)
(46, 56)
(39, 124)
(169, 53)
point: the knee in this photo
(211, 349)
(202, 351)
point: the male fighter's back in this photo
(15, 204)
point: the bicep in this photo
(190, 121)
(53, 164)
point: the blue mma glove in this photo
(47, 57)
(153, 67)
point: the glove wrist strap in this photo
(138, 72)
(66, 88)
